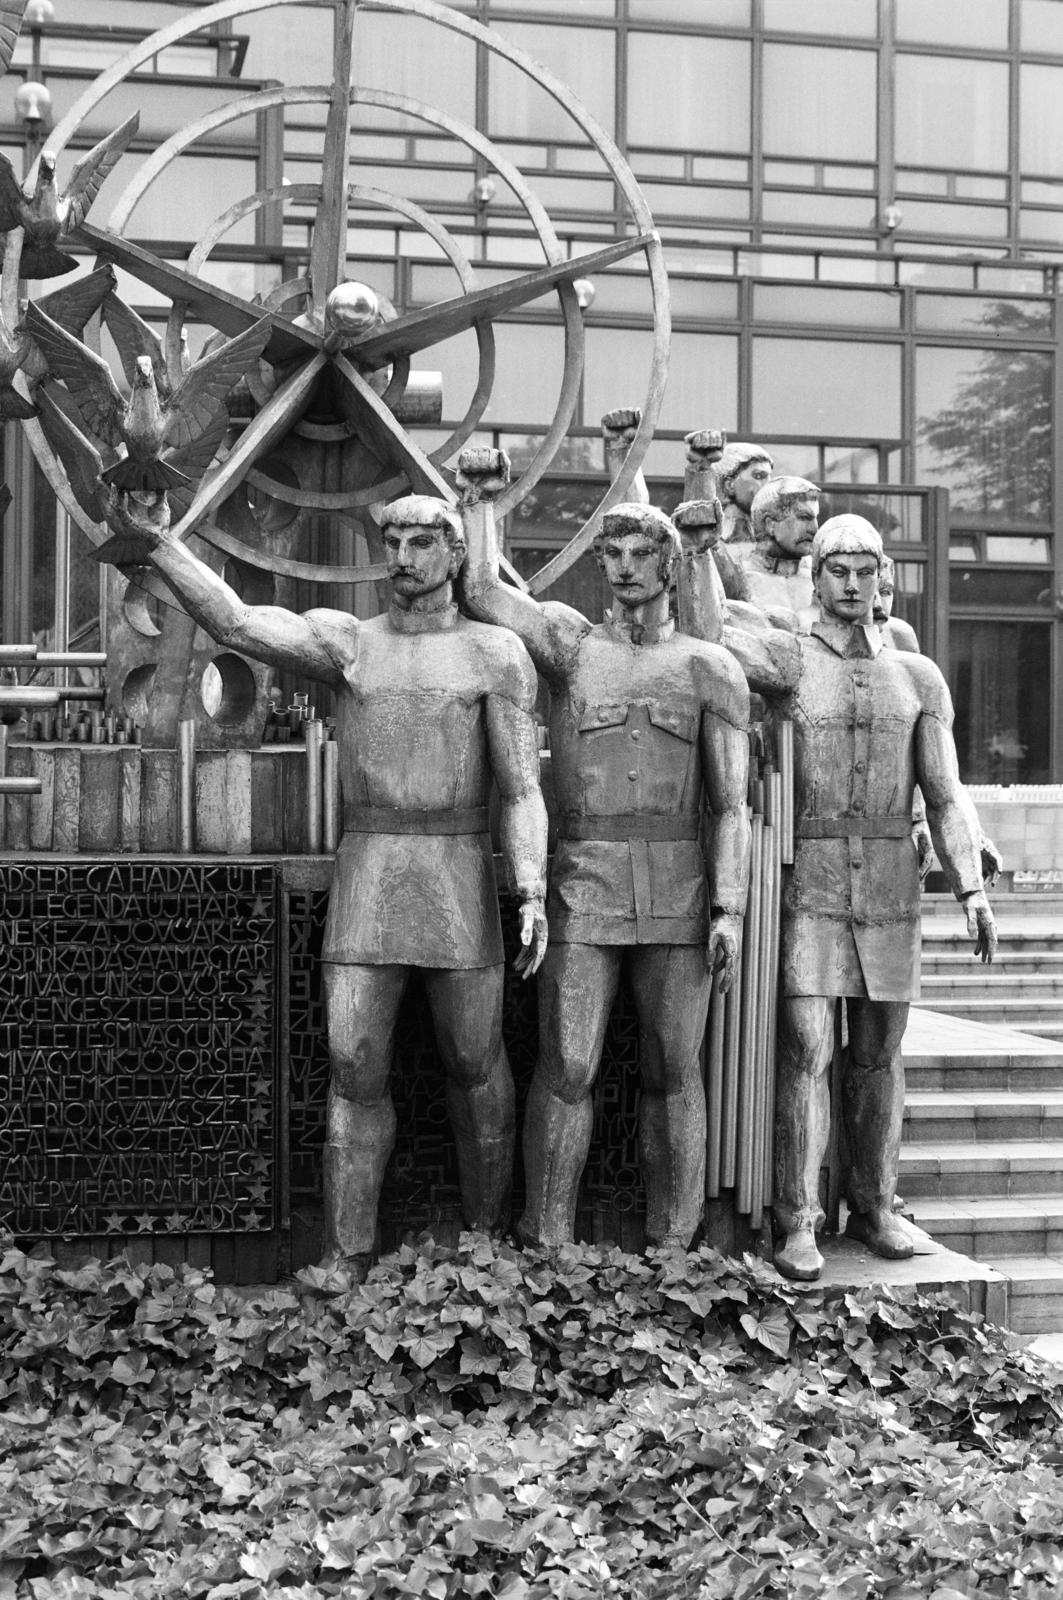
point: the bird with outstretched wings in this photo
(146, 427)
(44, 214)
(71, 307)
(133, 337)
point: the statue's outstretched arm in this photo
(618, 430)
(953, 821)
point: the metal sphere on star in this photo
(351, 308)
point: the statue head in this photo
(636, 547)
(785, 513)
(846, 561)
(424, 544)
(887, 576)
(741, 470)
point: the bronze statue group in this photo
(648, 734)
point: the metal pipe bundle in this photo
(314, 736)
(330, 804)
(747, 1133)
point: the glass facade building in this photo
(861, 204)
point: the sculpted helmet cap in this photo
(847, 535)
(425, 511)
(737, 455)
(776, 498)
(647, 521)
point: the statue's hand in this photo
(533, 937)
(721, 951)
(621, 426)
(699, 523)
(924, 848)
(992, 861)
(705, 446)
(141, 520)
(980, 925)
(482, 474)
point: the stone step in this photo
(987, 1227)
(1018, 1013)
(982, 1115)
(990, 984)
(1010, 1169)
(1035, 1291)
(942, 959)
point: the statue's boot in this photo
(359, 1141)
(884, 1233)
(557, 1136)
(797, 1257)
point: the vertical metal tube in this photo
(3, 773)
(760, 1082)
(785, 745)
(714, 1091)
(773, 1002)
(748, 1046)
(186, 786)
(314, 737)
(330, 799)
(732, 1039)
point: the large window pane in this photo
(666, 91)
(952, 113)
(581, 57)
(1000, 676)
(706, 13)
(981, 23)
(410, 57)
(1042, 25)
(983, 429)
(819, 102)
(826, 386)
(966, 313)
(838, 18)
(1041, 120)
(702, 387)
(776, 302)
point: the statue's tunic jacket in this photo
(412, 735)
(779, 582)
(626, 726)
(851, 906)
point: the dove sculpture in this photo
(45, 214)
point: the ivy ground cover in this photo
(477, 1421)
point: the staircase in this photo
(982, 1159)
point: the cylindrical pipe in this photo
(186, 786)
(70, 658)
(748, 1051)
(314, 737)
(20, 786)
(28, 696)
(82, 691)
(330, 800)
(773, 1004)
(714, 1091)
(785, 745)
(17, 655)
(732, 1042)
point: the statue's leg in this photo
(802, 1127)
(361, 1004)
(467, 1012)
(577, 986)
(671, 989)
(873, 1107)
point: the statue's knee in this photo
(357, 1073)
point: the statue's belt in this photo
(853, 827)
(396, 819)
(619, 828)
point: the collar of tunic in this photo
(631, 632)
(786, 566)
(848, 638)
(422, 621)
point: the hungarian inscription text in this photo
(137, 1016)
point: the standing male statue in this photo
(647, 726)
(869, 724)
(785, 516)
(430, 707)
(741, 470)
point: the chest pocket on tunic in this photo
(594, 718)
(683, 724)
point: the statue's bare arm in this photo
(618, 432)
(550, 632)
(515, 763)
(267, 633)
(953, 822)
(725, 765)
